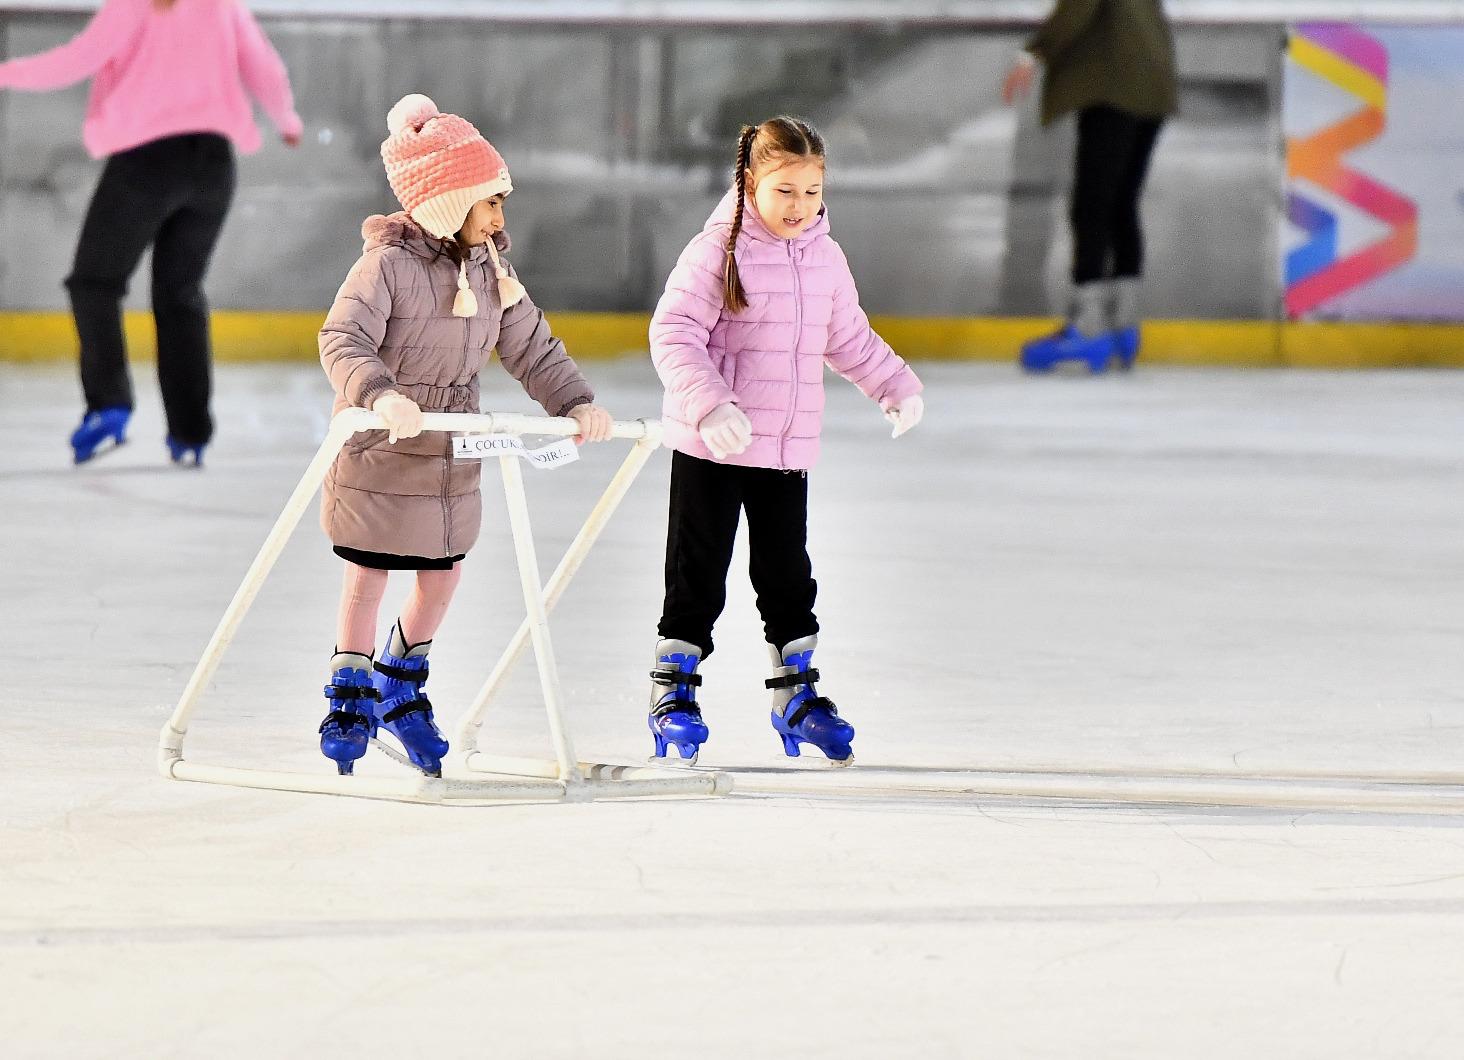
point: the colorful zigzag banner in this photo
(1356, 62)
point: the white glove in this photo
(905, 414)
(402, 415)
(725, 430)
(594, 423)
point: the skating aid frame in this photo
(560, 779)
(564, 778)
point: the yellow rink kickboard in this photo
(242, 337)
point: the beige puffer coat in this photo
(392, 328)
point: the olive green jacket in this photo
(1118, 52)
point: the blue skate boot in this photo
(800, 714)
(96, 427)
(1070, 344)
(348, 727)
(403, 710)
(185, 454)
(1086, 338)
(675, 719)
(1126, 346)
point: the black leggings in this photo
(1112, 161)
(172, 195)
(707, 499)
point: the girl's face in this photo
(788, 196)
(484, 221)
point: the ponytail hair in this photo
(784, 139)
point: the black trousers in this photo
(1112, 161)
(173, 195)
(706, 504)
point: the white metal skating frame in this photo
(1300, 790)
(1290, 790)
(501, 777)
(565, 778)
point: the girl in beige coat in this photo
(416, 320)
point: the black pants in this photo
(706, 502)
(1112, 161)
(172, 195)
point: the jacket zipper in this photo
(447, 438)
(797, 337)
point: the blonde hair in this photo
(782, 139)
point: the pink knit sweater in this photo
(159, 73)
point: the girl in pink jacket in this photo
(170, 100)
(418, 317)
(758, 303)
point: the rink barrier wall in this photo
(243, 337)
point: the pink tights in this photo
(361, 596)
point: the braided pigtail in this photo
(733, 296)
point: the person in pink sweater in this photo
(758, 303)
(171, 81)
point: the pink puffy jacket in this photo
(803, 311)
(156, 73)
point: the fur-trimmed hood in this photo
(399, 230)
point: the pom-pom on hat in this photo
(439, 165)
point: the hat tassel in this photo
(510, 291)
(466, 302)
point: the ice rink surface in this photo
(1211, 570)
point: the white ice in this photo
(1249, 570)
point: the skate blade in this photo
(815, 765)
(106, 446)
(397, 756)
(673, 762)
(811, 763)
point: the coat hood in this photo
(399, 230)
(752, 222)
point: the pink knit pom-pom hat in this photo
(439, 165)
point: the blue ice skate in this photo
(675, 719)
(185, 454)
(404, 710)
(800, 714)
(1070, 344)
(96, 427)
(348, 727)
(1126, 346)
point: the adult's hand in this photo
(1019, 78)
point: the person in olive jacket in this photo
(1111, 62)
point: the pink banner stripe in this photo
(1351, 272)
(1358, 48)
